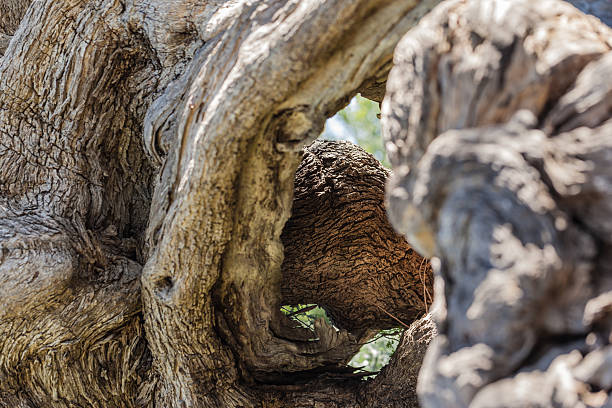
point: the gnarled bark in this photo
(340, 250)
(148, 152)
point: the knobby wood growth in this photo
(497, 118)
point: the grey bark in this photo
(497, 119)
(147, 156)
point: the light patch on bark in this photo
(504, 184)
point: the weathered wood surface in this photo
(497, 119)
(147, 157)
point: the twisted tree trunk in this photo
(147, 156)
(147, 159)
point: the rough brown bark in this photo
(147, 156)
(498, 122)
(340, 250)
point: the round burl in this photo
(340, 250)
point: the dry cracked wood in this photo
(497, 118)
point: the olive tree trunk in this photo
(147, 159)
(148, 151)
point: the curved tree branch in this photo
(252, 194)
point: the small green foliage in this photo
(372, 356)
(358, 123)
(305, 315)
(375, 354)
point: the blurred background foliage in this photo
(372, 356)
(358, 123)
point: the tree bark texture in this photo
(147, 155)
(353, 263)
(147, 159)
(497, 121)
